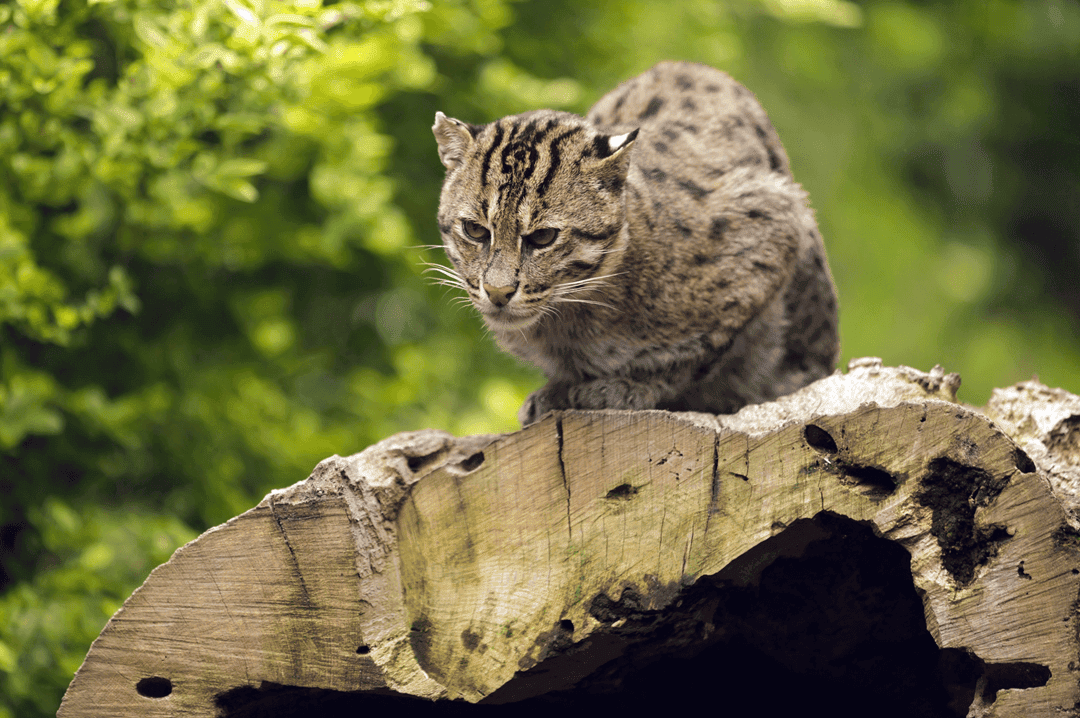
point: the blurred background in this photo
(212, 220)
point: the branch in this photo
(566, 556)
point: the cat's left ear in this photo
(610, 146)
(455, 138)
(612, 158)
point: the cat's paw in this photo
(613, 393)
(547, 398)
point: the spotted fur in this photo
(656, 254)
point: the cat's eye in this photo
(541, 237)
(475, 230)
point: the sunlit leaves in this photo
(194, 201)
(840, 13)
(507, 85)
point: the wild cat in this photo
(654, 254)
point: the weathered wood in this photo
(447, 568)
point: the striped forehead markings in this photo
(554, 160)
(519, 158)
(519, 150)
(487, 155)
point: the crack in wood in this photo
(292, 553)
(562, 472)
(714, 489)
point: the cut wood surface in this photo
(498, 568)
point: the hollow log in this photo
(868, 538)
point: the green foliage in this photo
(212, 217)
(205, 286)
(97, 557)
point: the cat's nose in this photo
(499, 296)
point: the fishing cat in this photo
(655, 254)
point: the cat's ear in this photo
(621, 143)
(608, 147)
(455, 138)
(611, 161)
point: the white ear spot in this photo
(616, 142)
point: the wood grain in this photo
(447, 568)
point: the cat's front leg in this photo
(607, 393)
(614, 393)
(551, 396)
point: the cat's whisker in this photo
(445, 274)
(578, 290)
(458, 281)
(585, 301)
(433, 267)
(448, 277)
(590, 280)
(582, 285)
(457, 300)
(460, 308)
(549, 311)
(596, 297)
(448, 284)
(614, 250)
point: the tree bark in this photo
(580, 556)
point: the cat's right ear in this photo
(455, 138)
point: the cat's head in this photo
(531, 206)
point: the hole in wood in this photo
(1023, 462)
(879, 482)
(363, 650)
(566, 625)
(473, 462)
(1002, 676)
(154, 687)
(416, 463)
(953, 491)
(622, 491)
(825, 609)
(819, 438)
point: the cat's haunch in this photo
(655, 254)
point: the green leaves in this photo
(229, 176)
(98, 555)
(26, 407)
(196, 214)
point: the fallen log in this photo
(868, 538)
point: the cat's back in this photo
(692, 113)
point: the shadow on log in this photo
(866, 545)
